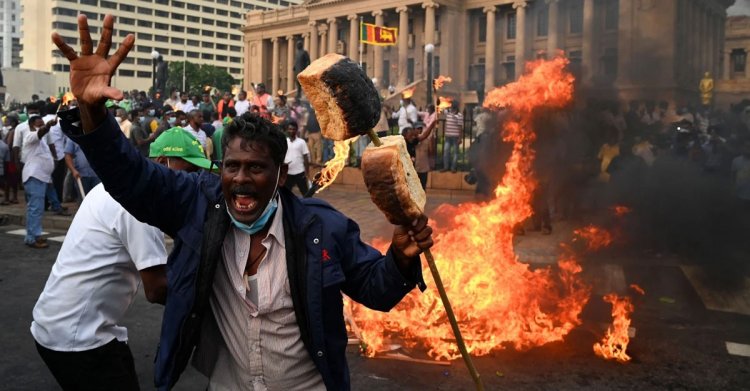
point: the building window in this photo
(193, 19)
(64, 12)
(193, 31)
(222, 35)
(235, 70)
(207, 33)
(108, 4)
(542, 21)
(178, 4)
(609, 63)
(482, 28)
(193, 54)
(221, 46)
(208, 10)
(207, 21)
(193, 7)
(739, 60)
(143, 61)
(221, 58)
(235, 48)
(161, 26)
(90, 2)
(208, 45)
(235, 60)
(91, 15)
(177, 28)
(575, 16)
(192, 42)
(126, 72)
(576, 59)
(207, 56)
(162, 14)
(61, 67)
(129, 21)
(160, 38)
(436, 65)
(144, 74)
(222, 12)
(177, 16)
(145, 11)
(143, 49)
(127, 7)
(611, 14)
(64, 26)
(145, 23)
(177, 53)
(177, 41)
(128, 60)
(510, 32)
(145, 36)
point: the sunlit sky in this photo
(740, 7)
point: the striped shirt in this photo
(453, 124)
(262, 348)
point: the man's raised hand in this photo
(91, 72)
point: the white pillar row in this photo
(403, 49)
(429, 29)
(489, 48)
(520, 7)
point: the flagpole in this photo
(361, 21)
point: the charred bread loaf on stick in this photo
(392, 181)
(344, 98)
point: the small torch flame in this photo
(334, 166)
(445, 103)
(67, 98)
(441, 81)
(408, 93)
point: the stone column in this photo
(313, 41)
(520, 7)
(323, 46)
(587, 42)
(306, 41)
(747, 66)
(378, 55)
(553, 37)
(429, 21)
(489, 49)
(353, 37)
(275, 66)
(333, 36)
(289, 63)
(403, 45)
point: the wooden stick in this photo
(444, 298)
(403, 357)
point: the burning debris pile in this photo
(614, 345)
(499, 301)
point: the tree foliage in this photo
(197, 77)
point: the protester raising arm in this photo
(147, 190)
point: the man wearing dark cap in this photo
(96, 277)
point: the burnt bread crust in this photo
(345, 100)
(355, 95)
(392, 181)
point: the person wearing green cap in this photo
(105, 237)
(179, 150)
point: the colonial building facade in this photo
(656, 49)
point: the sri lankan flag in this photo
(377, 35)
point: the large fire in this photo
(498, 300)
(444, 103)
(615, 343)
(408, 93)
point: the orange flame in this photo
(445, 103)
(277, 120)
(441, 81)
(596, 238)
(499, 301)
(614, 345)
(621, 210)
(334, 166)
(408, 93)
(67, 98)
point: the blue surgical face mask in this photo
(261, 221)
(151, 113)
(172, 120)
(141, 118)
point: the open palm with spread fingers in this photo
(91, 72)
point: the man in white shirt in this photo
(95, 279)
(184, 105)
(407, 115)
(242, 105)
(21, 131)
(37, 177)
(195, 119)
(298, 159)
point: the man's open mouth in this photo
(244, 202)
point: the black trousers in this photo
(299, 180)
(58, 177)
(108, 367)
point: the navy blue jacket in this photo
(191, 209)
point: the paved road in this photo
(683, 327)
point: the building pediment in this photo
(316, 3)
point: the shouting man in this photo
(256, 274)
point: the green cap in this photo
(176, 142)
